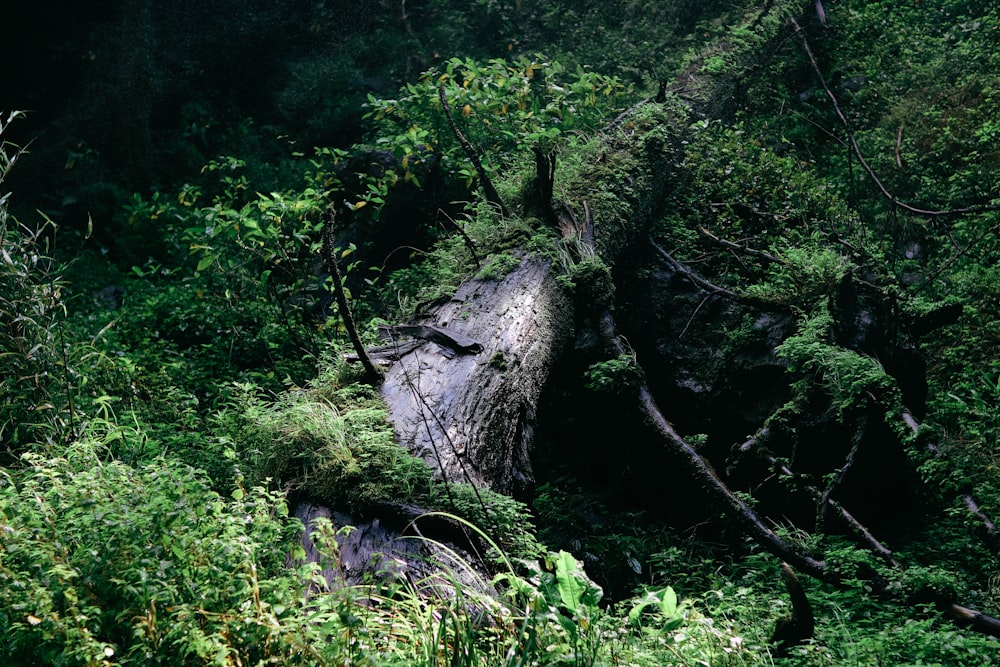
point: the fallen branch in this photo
(800, 626)
(703, 471)
(988, 527)
(962, 615)
(861, 157)
(756, 446)
(823, 502)
(330, 259)
(698, 281)
(976, 620)
(741, 248)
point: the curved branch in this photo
(726, 243)
(330, 259)
(861, 158)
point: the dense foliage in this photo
(172, 363)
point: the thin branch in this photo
(990, 532)
(756, 446)
(899, 144)
(958, 255)
(492, 196)
(330, 259)
(861, 158)
(838, 479)
(698, 281)
(741, 248)
(465, 237)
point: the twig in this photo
(746, 249)
(698, 281)
(756, 446)
(465, 237)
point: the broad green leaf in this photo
(567, 581)
(668, 602)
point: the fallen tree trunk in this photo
(472, 416)
(468, 406)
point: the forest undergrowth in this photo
(174, 378)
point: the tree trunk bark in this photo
(471, 415)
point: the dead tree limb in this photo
(742, 248)
(976, 620)
(492, 196)
(800, 625)
(330, 259)
(824, 501)
(755, 445)
(703, 471)
(860, 155)
(699, 281)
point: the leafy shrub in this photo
(847, 376)
(507, 106)
(101, 562)
(621, 375)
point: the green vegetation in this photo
(173, 373)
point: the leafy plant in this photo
(104, 562)
(506, 108)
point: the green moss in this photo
(848, 377)
(592, 284)
(498, 361)
(498, 266)
(336, 445)
(620, 375)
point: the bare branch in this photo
(861, 158)
(698, 281)
(492, 196)
(707, 476)
(330, 259)
(741, 248)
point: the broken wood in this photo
(446, 338)
(799, 626)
